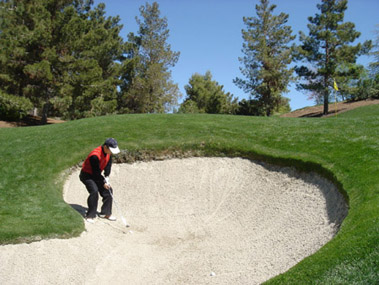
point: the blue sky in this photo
(207, 33)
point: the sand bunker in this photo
(193, 221)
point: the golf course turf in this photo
(344, 149)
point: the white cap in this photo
(111, 143)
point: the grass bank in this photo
(345, 149)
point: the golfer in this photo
(99, 160)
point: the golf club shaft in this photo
(118, 210)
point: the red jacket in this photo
(103, 160)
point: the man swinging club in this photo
(99, 160)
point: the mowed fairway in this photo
(343, 149)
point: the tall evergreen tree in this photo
(61, 55)
(328, 51)
(19, 48)
(96, 51)
(205, 95)
(147, 86)
(267, 56)
(374, 65)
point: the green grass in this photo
(344, 149)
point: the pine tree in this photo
(374, 65)
(267, 56)
(62, 55)
(19, 48)
(327, 50)
(29, 50)
(95, 50)
(147, 86)
(374, 68)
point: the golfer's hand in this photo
(107, 186)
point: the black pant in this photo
(94, 188)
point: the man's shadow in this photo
(80, 209)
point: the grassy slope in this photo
(346, 147)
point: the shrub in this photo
(101, 107)
(189, 106)
(13, 108)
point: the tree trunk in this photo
(326, 80)
(326, 102)
(46, 106)
(45, 111)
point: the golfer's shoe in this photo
(90, 220)
(108, 217)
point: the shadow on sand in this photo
(80, 209)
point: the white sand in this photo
(193, 221)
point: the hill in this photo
(334, 109)
(343, 149)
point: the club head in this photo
(124, 221)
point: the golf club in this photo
(118, 210)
